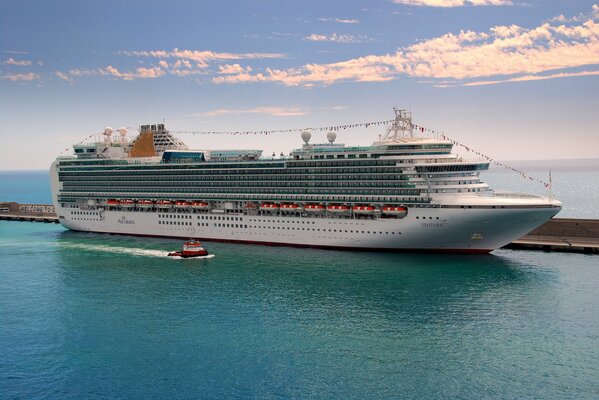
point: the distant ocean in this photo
(102, 316)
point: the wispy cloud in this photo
(233, 69)
(275, 111)
(530, 78)
(340, 20)
(337, 38)
(16, 52)
(64, 77)
(347, 21)
(507, 51)
(17, 63)
(454, 3)
(29, 76)
(557, 48)
(200, 56)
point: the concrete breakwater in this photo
(27, 212)
(562, 234)
(557, 234)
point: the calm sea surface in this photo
(105, 316)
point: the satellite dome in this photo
(123, 131)
(331, 136)
(306, 135)
(108, 131)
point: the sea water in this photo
(86, 315)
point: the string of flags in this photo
(492, 161)
(335, 128)
(77, 144)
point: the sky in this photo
(515, 80)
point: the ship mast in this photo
(401, 127)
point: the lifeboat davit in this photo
(338, 208)
(113, 203)
(399, 211)
(199, 205)
(145, 204)
(182, 204)
(127, 203)
(290, 207)
(363, 209)
(269, 206)
(164, 204)
(314, 208)
(193, 248)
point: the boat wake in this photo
(125, 250)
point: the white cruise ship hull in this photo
(432, 229)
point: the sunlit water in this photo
(106, 316)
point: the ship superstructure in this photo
(404, 192)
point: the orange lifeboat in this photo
(127, 203)
(113, 202)
(290, 207)
(145, 204)
(338, 208)
(164, 204)
(363, 209)
(269, 206)
(182, 204)
(199, 205)
(399, 211)
(314, 208)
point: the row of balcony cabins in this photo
(395, 210)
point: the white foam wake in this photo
(125, 250)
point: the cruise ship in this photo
(406, 191)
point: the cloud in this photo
(531, 78)
(139, 73)
(64, 77)
(29, 76)
(508, 51)
(18, 63)
(347, 21)
(340, 20)
(557, 48)
(233, 69)
(337, 38)
(454, 3)
(275, 111)
(16, 52)
(201, 56)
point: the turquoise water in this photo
(105, 316)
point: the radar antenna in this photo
(401, 127)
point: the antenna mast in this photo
(401, 127)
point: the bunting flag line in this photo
(492, 161)
(334, 128)
(77, 144)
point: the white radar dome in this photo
(108, 131)
(123, 131)
(306, 135)
(331, 136)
